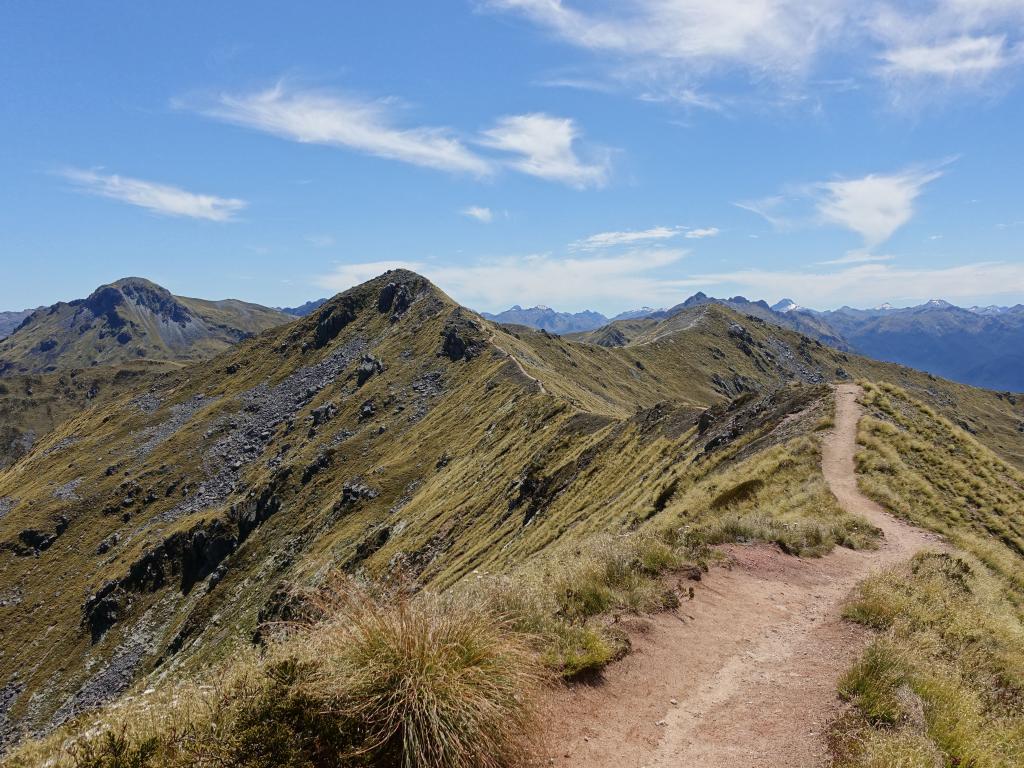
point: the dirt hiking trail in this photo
(745, 674)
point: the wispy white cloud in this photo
(764, 37)
(873, 206)
(959, 57)
(480, 213)
(962, 43)
(568, 282)
(154, 196)
(858, 257)
(628, 237)
(320, 241)
(545, 146)
(699, 234)
(667, 50)
(315, 117)
(768, 208)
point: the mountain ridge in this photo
(974, 345)
(129, 319)
(391, 428)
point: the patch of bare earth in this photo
(743, 675)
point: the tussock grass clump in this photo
(810, 538)
(428, 681)
(379, 680)
(384, 675)
(944, 682)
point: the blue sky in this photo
(576, 154)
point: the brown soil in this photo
(744, 675)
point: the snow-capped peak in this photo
(785, 305)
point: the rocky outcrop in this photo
(462, 338)
(187, 557)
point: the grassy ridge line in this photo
(551, 616)
(943, 683)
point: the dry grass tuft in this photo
(384, 675)
(381, 680)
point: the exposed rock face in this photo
(462, 339)
(187, 557)
(737, 331)
(368, 367)
(396, 299)
(332, 320)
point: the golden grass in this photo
(380, 679)
(384, 676)
(943, 683)
(779, 496)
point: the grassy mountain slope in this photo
(33, 405)
(709, 351)
(393, 430)
(131, 319)
(942, 684)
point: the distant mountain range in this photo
(548, 319)
(303, 309)
(130, 319)
(982, 346)
(979, 345)
(11, 320)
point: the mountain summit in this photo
(129, 319)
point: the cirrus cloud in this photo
(312, 117)
(627, 237)
(164, 199)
